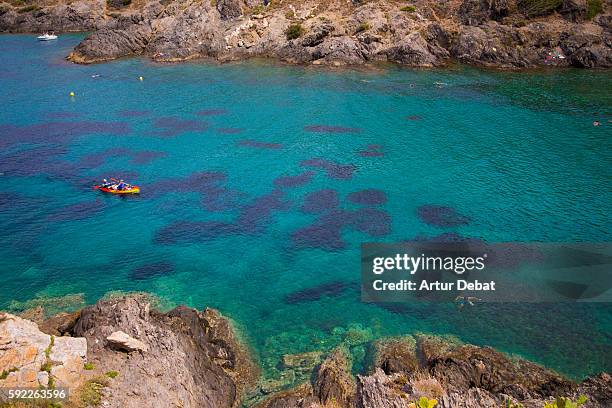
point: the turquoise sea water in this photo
(232, 160)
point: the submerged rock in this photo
(302, 361)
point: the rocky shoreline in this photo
(511, 34)
(122, 352)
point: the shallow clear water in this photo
(516, 153)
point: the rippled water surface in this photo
(260, 181)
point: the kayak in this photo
(131, 190)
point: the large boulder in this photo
(324, 49)
(415, 51)
(339, 51)
(123, 341)
(317, 34)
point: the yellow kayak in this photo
(131, 190)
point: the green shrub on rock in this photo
(365, 26)
(594, 7)
(28, 9)
(117, 4)
(5, 373)
(111, 374)
(423, 402)
(563, 402)
(90, 393)
(534, 8)
(294, 31)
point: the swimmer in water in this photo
(461, 301)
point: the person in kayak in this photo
(121, 186)
(106, 183)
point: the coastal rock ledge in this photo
(421, 33)
(183, 358)
(121, 352)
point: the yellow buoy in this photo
(141, 78)
(71, 93)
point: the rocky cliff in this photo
(423, 33)
(121, 352)
(456, 375)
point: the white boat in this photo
(47, 37)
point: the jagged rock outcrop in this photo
(187, 357)
(417, 52)
(497, 33)
(457, 375)
(192, 358)
(75, 16)
(298, 397)
(575, 10)
(30, 358)
(229, 9)
(460, 367)
(396, 355)
(334, 384)
(598, 388)
(378, 390)
(476, 12)
(109, 43)
(585, 50)
(60, 324)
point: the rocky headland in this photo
(122, 352)
(421, 33)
